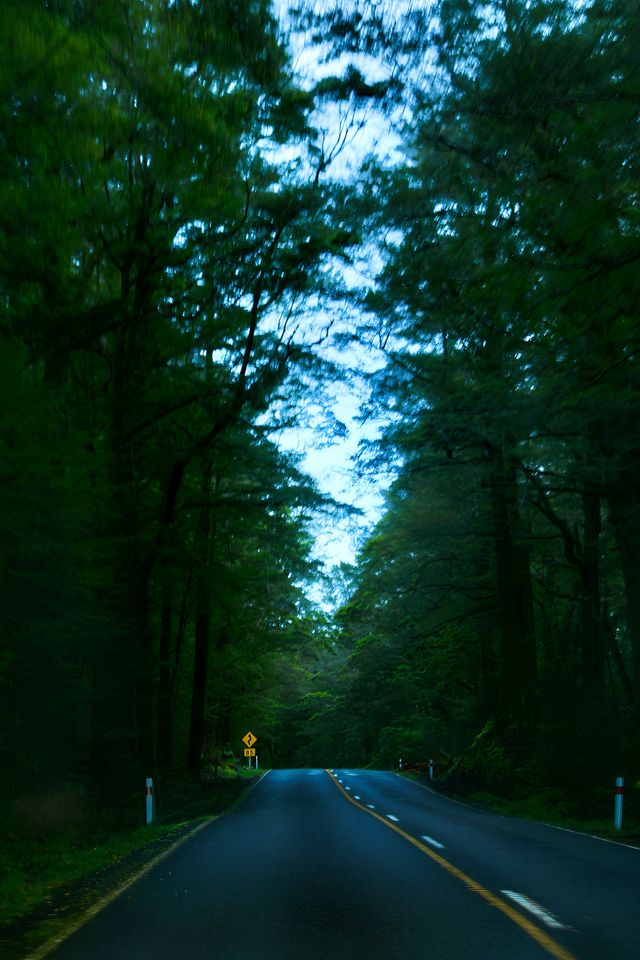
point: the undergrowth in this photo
(47, 845)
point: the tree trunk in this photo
(517, 649)
(165, 700)
(224, 711)
(623, 495)
(145, 674)
(200, 677)
(487, 683)
(624, 502)
(592, 646)
(202, 630)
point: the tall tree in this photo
(149, 306)
(511, 365)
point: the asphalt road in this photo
(369, 866)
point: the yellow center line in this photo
(542, 938)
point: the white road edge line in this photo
(390, 816)
(535, 909)
(580, 833)
(434, 843)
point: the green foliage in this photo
(497, 593)
(155, 557)
(155, 551)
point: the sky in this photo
(332, 461)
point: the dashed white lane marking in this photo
(434, 843)
(535, 909)
(518, 917)
(347, 788)
(356, 797)
(371, 806)
(390, 816)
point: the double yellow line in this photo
(542, 938)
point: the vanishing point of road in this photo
(365, 865)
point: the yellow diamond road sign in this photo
(249, 739)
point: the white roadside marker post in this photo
(400, 763)
(617, 816)
(150, 800)
(430, 769)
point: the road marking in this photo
(536, 933)
(356, 796)
(347, 788)
(434, 843)
(580, 833)
(370, 806)
(535, 909)
(390, 816)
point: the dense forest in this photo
(175, 225)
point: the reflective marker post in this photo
(617, 816)
(149, 799)
(430, 769)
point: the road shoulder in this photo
(35, 934)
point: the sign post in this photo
(249, 740)
(430, 769)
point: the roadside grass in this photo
(553, 807)
(584, 814)
(33, 869)
(41, 864)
